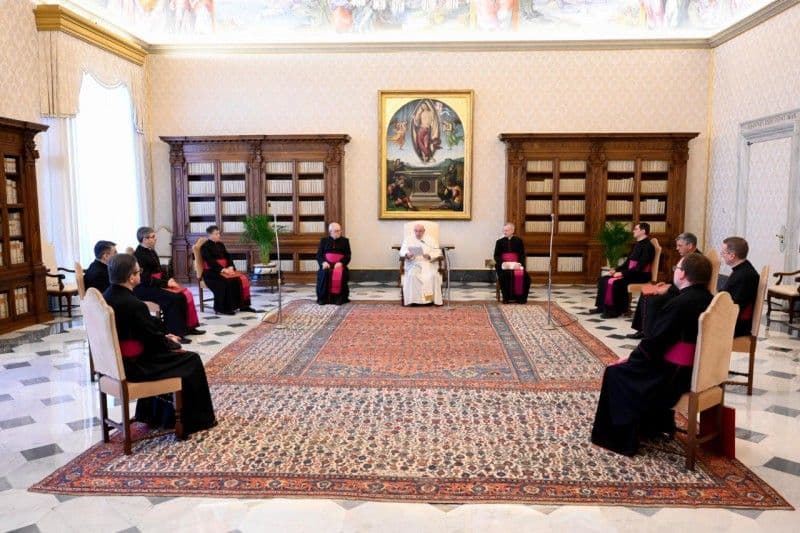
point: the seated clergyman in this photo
(96, 276)
(422, 284)
(333, 256)
(231, 288)
(637, 395)
(150, 353)
(509, 260)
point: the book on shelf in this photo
(566, 165)
(538, 207)
(240, 264)
(572, 185)
(658, 226)
(16, 252)
(539, 185)
(279, 167)
(537, 226)
(616, 165)
(21, 300)
(624, 185)
(202, 208)
(571, 226)
(198, 227)
(570, 264)
(311, 186)
(234, 208)
(312, 207)
(655, 166)
(652, 207)
(280, 207)
(571, 207)
(3, 305)
(233, 186)
(539, 166)
(11, 192)
(232, 226)
(310, 167)
(619, 207)
(312, 226)
(200, 169)
(233, 168)
(279, 186)
(654, 186)
(201, 187)
(537, 263)
(10, 165)
(308, 265)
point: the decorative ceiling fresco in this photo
(366, 21)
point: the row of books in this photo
(655, 166)
(624, 185)
(654, 186)
(3, 306)
(201, 169)
(538, 207)
(538, 185)
(15, 224)
(537, 263)
(308, 265)
(619, 207)
(10, 165)
(233, 186)
(279, 186)
(16, 251)
(20, 302)
(312, 207)
(202, 187)
(11, 192)
(652, 207)
(202, 208)
(572, 185)
(232, 226)
(571, 207)
(658, 226)
(234, 208)
(281, 207)
(279, 167)
(315, 186)
(287, 265)
(626, 165)
(537, 226)
(571, 226)
(569, 264)
(240, 264)
(233, 168)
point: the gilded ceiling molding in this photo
(760, 16)
(56, 18)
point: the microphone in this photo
(550, 275)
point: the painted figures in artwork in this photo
(425, 131)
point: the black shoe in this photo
(195, 331)
(609, 315)
(229, 313)
(595, 311)
(184, 340)
(637, 335)
(248, 309)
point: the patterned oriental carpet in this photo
(373, 401)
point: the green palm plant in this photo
(615, 237)
(259, 230)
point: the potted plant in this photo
(615, 237)
(259, 230)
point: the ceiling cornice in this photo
(760, 16)
(56, 18)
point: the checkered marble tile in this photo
(49, 414)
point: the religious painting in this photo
(425, 154)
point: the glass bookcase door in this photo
(201, 196)
(571, 212)
(539, 182)
(621, 190)
(233, 195)
(280, 193)
(653, 194)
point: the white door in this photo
(768, 199)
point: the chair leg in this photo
(104, 415)
(751, 366)
(691, 433)
(178, 397)
(202, 305)
(126, 425)
(69, 305)
(92, 373)
(769, 308)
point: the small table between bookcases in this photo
(268, 279)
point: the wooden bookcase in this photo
(582, 180)
(220, 180)
(23, 291)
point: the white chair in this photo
(712, 357)
(432, 232)
(713, 257)
(747, 343)
(101, 331)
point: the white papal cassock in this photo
(422, 283)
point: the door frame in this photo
(771, 128)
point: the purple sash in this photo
(511, 257)
(336, 273)
(681, 354)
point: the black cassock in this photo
(337, 246)
(156, 361)
(513, 245)
(153, 289)
(96, 276)
(742, 285)
(643, 253)
(637, 396)
(227, 291)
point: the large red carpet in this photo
(373, 401)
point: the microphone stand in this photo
(447, 271)
(278, 324)
(550, 277)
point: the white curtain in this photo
(92, 176)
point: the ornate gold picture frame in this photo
(426, 154)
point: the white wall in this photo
(19, 79)
(570, 91)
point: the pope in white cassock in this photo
(422, 283)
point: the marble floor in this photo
(48, 415)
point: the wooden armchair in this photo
(63, 292)
(712, 359)
(788, 292)
(713, 257)
(635, 289)
(747, 343)
(102, 334)
(198, 271)
(432, 232)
